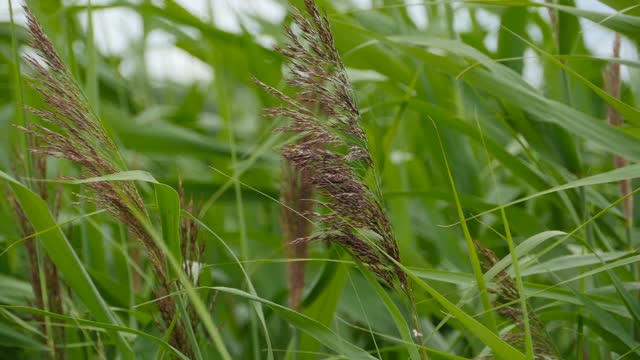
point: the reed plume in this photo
(331, 147)
(507, 297)
(71, 130)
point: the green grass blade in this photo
(308, 325)
(96, 325)
(168, 202)
(499, 346)
(322, 300)
(524, 248)
(514, 260)
(169, 209)
(471, 248)
(628, 172)
(398, 319)
(65, 258)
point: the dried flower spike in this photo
(74, 132)
(506, 292)
(332, 147)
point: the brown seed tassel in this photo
(332, 151)
(507, 292)
(77, 135)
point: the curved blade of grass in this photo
(627, 172)
(169, 209)
(168, 202)
(308, 325)
(10, 337)
(396, 315)
(175, 265)
(197, 303)
(473, 255)
(503, 84)
(514, 260)
(522, 249)
(623, 21)
(321, 302)
(631, 114)
(257, 307)
(66, 260)
(364, 315)
(570, 262)
(488, 337)
(531, 289)
(98, 325)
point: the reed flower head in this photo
(507, 296)
(331, 150)
(71, 130)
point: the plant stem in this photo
(473, 256)
(514, 258)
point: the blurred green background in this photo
(518, 103)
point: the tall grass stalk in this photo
(514, 257)
(44, 276)
(612, 85)
(297, 198)
(488, 314)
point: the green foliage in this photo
(468, 146)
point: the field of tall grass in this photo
(377, 179)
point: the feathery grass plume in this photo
(612, 86)
(73, 131)
(507, 293)
(332, 147)
(296, 195)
